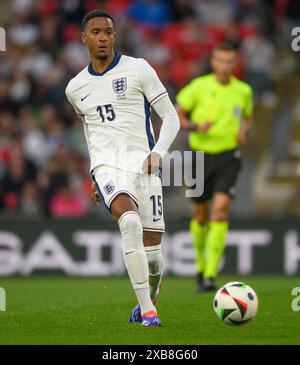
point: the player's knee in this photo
(155, 260)
(130, 222)
(156, 266)
(131, 230)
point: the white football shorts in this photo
(145, 190)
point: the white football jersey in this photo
(115, 109)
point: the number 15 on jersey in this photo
(106, 113)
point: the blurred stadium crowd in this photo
(43, 158)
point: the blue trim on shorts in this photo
(102, 197)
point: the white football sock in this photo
(156, 268)
(135, 258)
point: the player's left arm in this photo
(169, 129)
(158, 98)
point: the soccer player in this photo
(113, 96)
(216, 110)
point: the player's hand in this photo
(95, 196)
(204, 127)
(152, 163)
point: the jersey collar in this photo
(114, 63)
(221, 85)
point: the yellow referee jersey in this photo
(205, 99)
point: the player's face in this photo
(99, 37)
(223, 62)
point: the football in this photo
(235, 303)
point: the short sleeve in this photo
(152, 87)
(186, 97)
(68, 95)
(248, 109)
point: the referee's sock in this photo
(215, 244)
(199, 233)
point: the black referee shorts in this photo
(220, 173)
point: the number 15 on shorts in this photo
(157, 207)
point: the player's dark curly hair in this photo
(95, 14)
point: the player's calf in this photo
(135, 258)
(156, 268)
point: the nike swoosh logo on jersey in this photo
(85, 97)
(156, 219)
(127, 253)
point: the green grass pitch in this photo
(60, 310)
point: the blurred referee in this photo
(216, 110)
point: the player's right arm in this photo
(94, 195)
(68, 93)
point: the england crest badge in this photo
(119, 85)
(109, 187)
